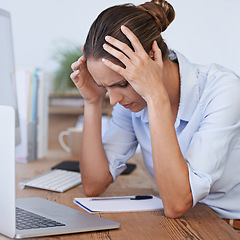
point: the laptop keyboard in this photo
(28, 220)
(55, 180)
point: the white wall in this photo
(207, 31)
(204, 30)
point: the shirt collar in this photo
(189, 91)
(143, 114)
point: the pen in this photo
(138, 197)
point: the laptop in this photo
(54, 218)
(44, 217)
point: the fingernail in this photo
(123, 27)
(103, 59)
(107, 38)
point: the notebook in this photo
(55, 218)
(120, 204)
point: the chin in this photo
(137, 109)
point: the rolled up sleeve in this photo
(119, 141)
(200, 185)
(211, 146)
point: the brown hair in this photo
(146, 21)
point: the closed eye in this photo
(124, 85)
(121, 84)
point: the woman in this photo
(185, 117)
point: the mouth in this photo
(128, 105)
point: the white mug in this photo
(74, 137)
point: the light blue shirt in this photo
(208, 132)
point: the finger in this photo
(74, 75)
(121, 46)
(117, 54)
(83, 56)
(114, 67)
(76, 65)
(157, 53)
(132, 38)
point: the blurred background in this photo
(204, 31)
(48, 35)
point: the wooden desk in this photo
(199, 223)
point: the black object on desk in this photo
(129, 169)
(74, 166)
(68, 165)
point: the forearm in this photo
(170, 168)
(93, 161)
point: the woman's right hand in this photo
(85, 83)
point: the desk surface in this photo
(199, 223)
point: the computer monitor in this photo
(8, 94)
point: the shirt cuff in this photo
(200, 185)
(117, 163)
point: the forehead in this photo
(101, 74)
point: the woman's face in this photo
(119, 90)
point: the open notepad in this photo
(116, 204)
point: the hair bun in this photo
(161, 11)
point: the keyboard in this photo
(29, 220)
(55, 180)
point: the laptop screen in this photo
(8, 94)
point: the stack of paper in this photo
(119, 204)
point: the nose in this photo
(114, 96)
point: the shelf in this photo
(72, 104)
(74, 110)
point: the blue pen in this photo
(138, 197)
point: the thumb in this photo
(157, 53)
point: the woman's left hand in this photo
(146, 76)
(141, 71)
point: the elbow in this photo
(174, 213)
(93, 187)
(177, 210)
(91, 191)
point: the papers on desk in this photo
(116, 204)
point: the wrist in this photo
(95, 107)
(161, 99)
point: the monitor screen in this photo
(7, 76)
